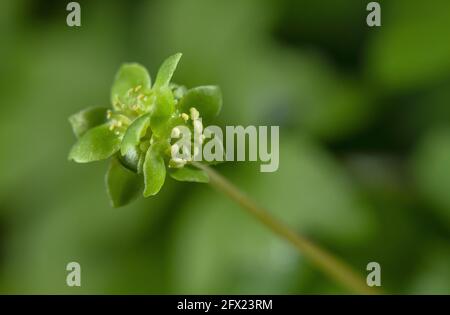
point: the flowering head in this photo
(137, 131)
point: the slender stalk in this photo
(327, 262)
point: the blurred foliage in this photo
(364, 120)
(411, 51)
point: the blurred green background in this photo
(364, 116)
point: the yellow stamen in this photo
(185, 116)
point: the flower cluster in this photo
(137, 131)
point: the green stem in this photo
(328, 263)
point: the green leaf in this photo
(97, 144)
(206, 99)
(134, 133)
(154, 172)
(129, 76)
(166, 71)
(87, 119)
(189, 174)
(162, 110)
(122, 185)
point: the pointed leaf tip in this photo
(166, 71)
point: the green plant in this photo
(136, 134)
(136, 131)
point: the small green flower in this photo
(136, 131)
